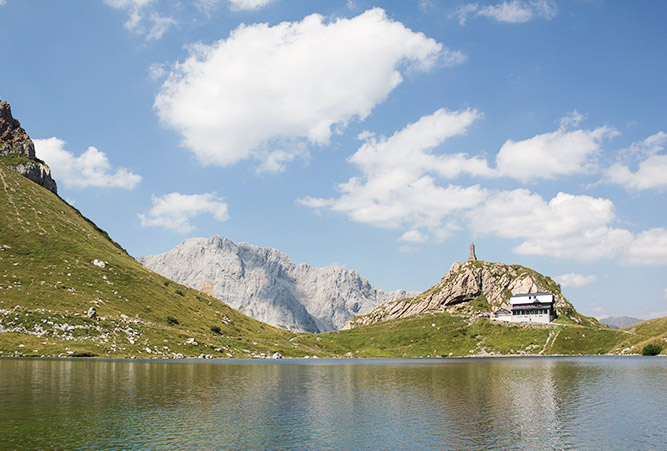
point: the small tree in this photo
(651, 349)
(215, 329)
(172, 321)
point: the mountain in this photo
(264, 284)
(619, 322)
(67, 289)
(471, 288)
(19, 150)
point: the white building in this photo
(529, 308)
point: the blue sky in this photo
(382, 136)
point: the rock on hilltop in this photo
(472, 287)
(15, 143)
(264, 284)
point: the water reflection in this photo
(545, 403)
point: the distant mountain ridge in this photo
(619, 322)
(266, 285)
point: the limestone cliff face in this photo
(489, 284)
(266, 285)
(14, 141)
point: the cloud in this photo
(649, 248)
(652, 168)
(575, 280)
(399, 182)
(91, 168)
(289, 84)
(567, 226)
(142, 18)
(414, 236)
(563, 152)
(514, 11)
(404, 184)
(173, 211)
(248, 4)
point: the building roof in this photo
(530, 298)
(541, 293)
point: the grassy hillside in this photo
(443, 334)
(48, 282)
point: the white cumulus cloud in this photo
(248, 4)
(651, 172)
(399, 185)
(514, 11)
(143, 18)
(91, 168)
(266, 88)
(575, 280)
(567, 226)
(173, 211)
(545, 156)
(414, 236)
(648, 248)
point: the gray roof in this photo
(542, 293)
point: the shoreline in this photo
(314, 359)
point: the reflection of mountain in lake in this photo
(509, 403)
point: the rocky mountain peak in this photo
(488, 284)
(266, 285)
(13, 139)
(15, 142)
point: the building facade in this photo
(529, 308)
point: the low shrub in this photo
(172, 321)
(180, 292)
(215, 329)
(651, 349)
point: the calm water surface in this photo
(513, 403)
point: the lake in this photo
(496, 403)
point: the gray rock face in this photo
(38, 172)
(264, 284)
(465, 282)
(14, 141)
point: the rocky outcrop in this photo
(266, 285)
(15, 142)
(207, 288)
(489, 284)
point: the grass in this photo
(46, 254)
(48, 282)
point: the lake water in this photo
(508, 403)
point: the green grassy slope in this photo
(443, 334)
(653, 331)
(48, 282)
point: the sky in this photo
(381, 136)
